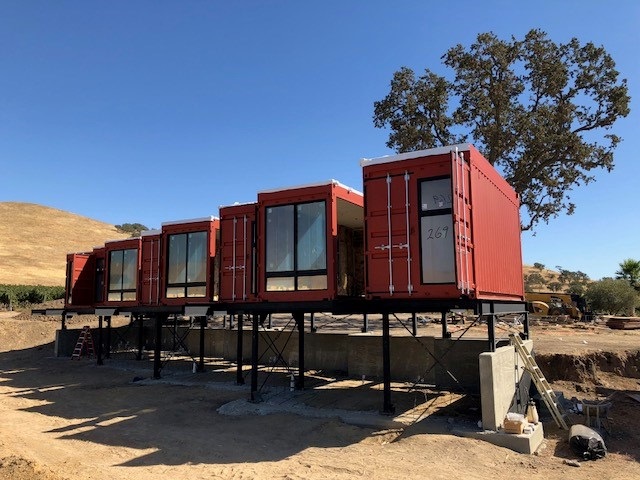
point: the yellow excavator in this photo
(555, 304)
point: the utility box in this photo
(79, 285)
(122, 285)
(300, 256)
(441, 224)
(190, 268)
(152, 267)
(238, 253)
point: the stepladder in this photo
(542, 385)
(84, 345)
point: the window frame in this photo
(122, 291)
(295, 273)
(185, 261)
(434, 213)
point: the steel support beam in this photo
(255, 337)
(312, 323)
(365, 323)
(387, 407)
(491, 327)
(299, 319)
(140, 319)
(63, 326)
(445, 331)
(239, 352)
(157, 350)
(203, 324)
(526, 325)
(99, 349)
(108, 349)
(414, 324)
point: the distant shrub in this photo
(133, 228)
(612, 296)
(21, 295)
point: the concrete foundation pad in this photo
(523, 443)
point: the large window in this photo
(436, 231)
(123, 275)
(187, 269)
(297, 247)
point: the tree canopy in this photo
(539, 111)
(630, 271)
(133, 228)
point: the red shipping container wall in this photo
(79, 286)
(441, 224)
(122, 282)
(100, 275)
(151, 267)
(190, 267)
(299, 240)
(237, 253)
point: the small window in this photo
(123, 275)
(187, 265)
(296, 247)
(436, 231)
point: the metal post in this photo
(414, 324)
(231, 322)
(157, 361)
(526, 325)
(239, 353)
(140, 319)
(203, 324)
(312, 323)
(270, 324)
(108, 349)
(299, 319)
(365, 323)
(224, 322)
(387, 407)
(99, 360)
(443, 320)
(492, 331)
(254, 359)
(175, 333)
(63, 326)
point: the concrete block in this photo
(500, 371)
(524, 443)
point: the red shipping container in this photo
(122, 282)
(79, 285)
(100, 275)
(151, 267)
(441, 224)
(189, 268)
(300, 232)
(238, 253)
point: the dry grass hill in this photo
(34, 241)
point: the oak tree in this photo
(541, 112)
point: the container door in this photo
(151, 270)
(237, 261)
(462, 222)
(388, 214)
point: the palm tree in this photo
(630, 271)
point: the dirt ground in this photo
(66, 419)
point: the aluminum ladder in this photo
(541, 383)
(85, 339)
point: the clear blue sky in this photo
(150, 111)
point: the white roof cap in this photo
(309, 185)
(191, 220)
(238, 204)
(148, 233)
(461, 147)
